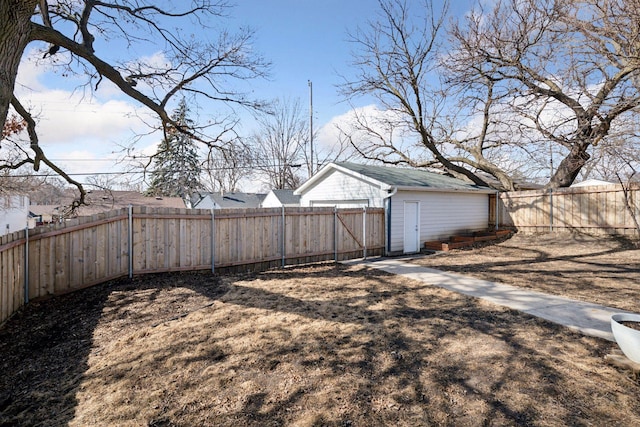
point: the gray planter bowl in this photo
(627, 338)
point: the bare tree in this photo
(506, 89)
(620, 156)
(629, 189)
(47, 191)
(278, 145)
(396, 59)
(225, 169)
(567, 70)
(205, 69)
(10, 183)
(42, 190)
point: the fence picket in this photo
(84, 252)
(586, 209)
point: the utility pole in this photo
(550, 160)
(311, 126)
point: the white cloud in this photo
(82, 131)
(29, 74)
(75, 124)
(387, 123)
(330, 134)
(64, 117)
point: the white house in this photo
(420, 205)
(279, 198)
(228, 201)
(14, 213)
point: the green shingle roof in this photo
(405, 177)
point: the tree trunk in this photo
(570, 167)
(15, 32)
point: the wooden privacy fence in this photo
(595, 209)
(86, 251)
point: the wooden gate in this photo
(357, 232)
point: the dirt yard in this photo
(595, 269)
(323, 345)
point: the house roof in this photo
(237, 200)
(286, 197)
(37, 210)
(591, 182)
(104, 200)
(389, 178)
(520, 183)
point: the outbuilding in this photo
(280, 198)
(420, 205)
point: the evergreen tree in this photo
(177, 168)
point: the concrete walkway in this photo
(587, 318)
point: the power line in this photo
(143, 172)
(91, 160)
(48, 175)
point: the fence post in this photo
(364, 232)
(26, 265)
(130, 243)
(213, 240)
(551, 209)
(284, 240)
(335, 234)
(497, 210)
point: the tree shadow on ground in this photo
(394, 357)
(43, 354)
(323, 345)
(44, 348)
(602, 271)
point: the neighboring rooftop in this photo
(230, 200)
(104, 200)
(286, 197)
(591, 182)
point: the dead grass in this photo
(601, 270)
(313, 346)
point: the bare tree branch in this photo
(208, 70)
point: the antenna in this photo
(311, 125)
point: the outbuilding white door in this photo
(411, 227)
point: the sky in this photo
(305, 40)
